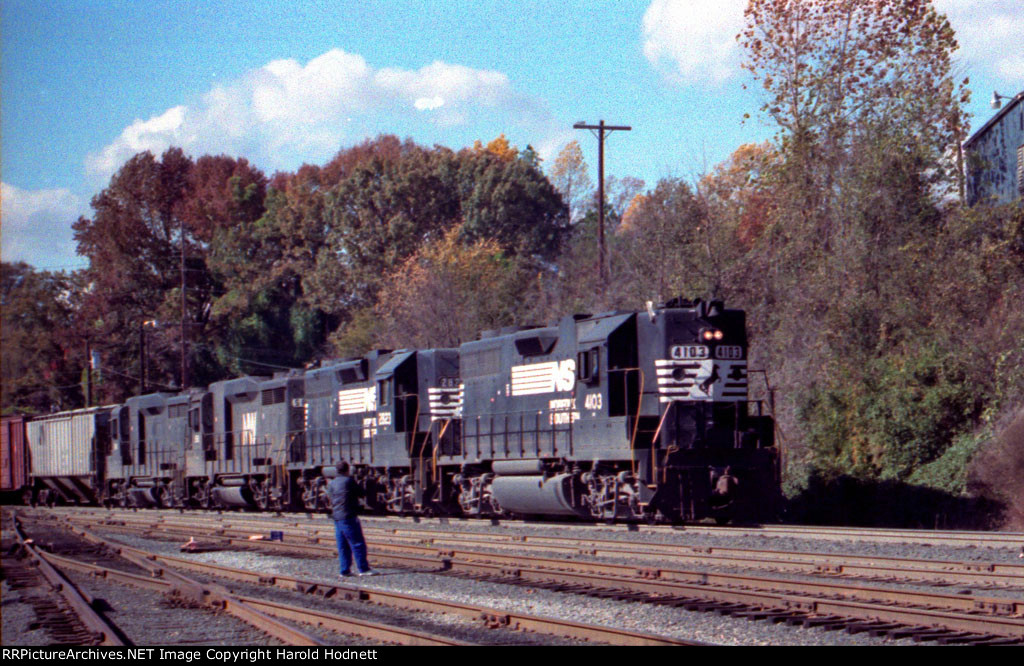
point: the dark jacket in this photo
(344, 493)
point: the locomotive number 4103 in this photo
(687, 352)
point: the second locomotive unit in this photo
(625, 415)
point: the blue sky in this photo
(84, 84)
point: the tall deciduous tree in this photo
(447, 292)
(152, 210)
(838, 72)
(40, 364)
(570, 177)
(512, 202)
(660, 251)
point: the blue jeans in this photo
(349, 534)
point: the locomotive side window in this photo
(587, 365)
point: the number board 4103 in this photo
(689, 352)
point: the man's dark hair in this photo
(342, 467)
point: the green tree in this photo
(40, 365)
(150, 213)
(512, 202)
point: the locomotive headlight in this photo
(712, 334)
(708, 334)
(719, 335)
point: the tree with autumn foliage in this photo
(835, 72)
(141, 221)
(504, 196)
(569, 176)
(447, 292)
(871, 294)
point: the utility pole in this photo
(149, 323)
(88, 370)
(142, 358)
(602, 130)
(184, 337)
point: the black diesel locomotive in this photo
(626, 415)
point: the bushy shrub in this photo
(890, 417)
(997, 471)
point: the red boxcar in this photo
(13, 456)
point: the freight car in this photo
(67, 453)
(14, 483)
(624, 415)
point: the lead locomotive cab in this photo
(717, 446)
(620, 415)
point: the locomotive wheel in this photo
(206, 500)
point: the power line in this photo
(239, 358)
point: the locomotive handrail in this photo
(536, 431)
(415, 429)
(437, 445)
(323, 443)
(654, 438)
(636, 417)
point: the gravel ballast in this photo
(678, 623)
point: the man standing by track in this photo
(345, 493)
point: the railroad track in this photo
(933, 572)
(894, 612)
(165, 577)
(971, 539)
(68, 614)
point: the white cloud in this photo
(429, 103)
(139, 136)
(991, 37)
(694, 41)
(1011, 68)
(37, 226)
(284, 112)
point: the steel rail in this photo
(941, 571)
(883, 535)
(935, 537)
(952, 612)
(395, 552)
(944, 571)
(220, 598)
(165, 581)
(104, 631)
(493, 617)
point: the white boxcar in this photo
(67, 452)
